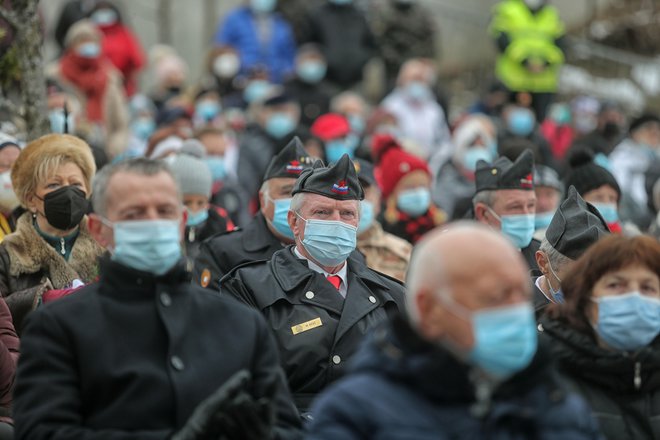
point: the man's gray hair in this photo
(486, 197)
(557, 259)
(140, 166)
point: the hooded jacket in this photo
(402, 387)
(622, 389)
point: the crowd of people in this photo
(272, 252)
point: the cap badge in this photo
(294, 167)
(526, 182)
(340, 187)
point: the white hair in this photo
(486, 197)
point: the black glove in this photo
(208, 420)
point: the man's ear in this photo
(262, 200)
(430, 314)
(95, 227)
(541, 262)
(294, 223)
(480, 212)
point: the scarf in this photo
(91, 77)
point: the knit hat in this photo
(504, 174)
(585, 175)
(339, 182)
(330, 126)
(643, 119)
(393, 163)
(192, 174)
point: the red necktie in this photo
(335, 280)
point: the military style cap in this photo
(339, 182)
(504, 174)
(547, 177)
(365, 171)
(575, 226)
(290, 162)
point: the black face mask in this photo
(65, 207)
(611, 130)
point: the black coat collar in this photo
(119, 280)
(257, 237)
(292, 272)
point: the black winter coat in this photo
(222, 252)
(195, 235)
(402, 387)
(130, 357)
(316, 329)
(623, 390)
(346, 40)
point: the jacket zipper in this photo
(191, 235)
(63, 248)
(638, 376)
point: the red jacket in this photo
(122, 48)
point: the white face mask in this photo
(8, 200)
(226, 65)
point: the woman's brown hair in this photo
(609, 254)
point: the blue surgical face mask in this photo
(366, 216)
(474, 155)
(217, 166)
(329, 242)
(280, 222)
(603, 161)
(628, 322)
(89, 50)
(256, 91)
(104, 17)
(336, 148)
(558, 295)
(280, 124)
(148, 245)
(143, 128)
(521, 122)
(263, 6)
(56, 118)
(197, 218)
(311, 71)
(609, 212)
(505, 338)
(519, 228)
(357, 123)
(542, 220)
(418, 91)
(561, 114)
(207, 110)
(414, 202)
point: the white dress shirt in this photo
(342, 273)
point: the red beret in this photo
(330, 126)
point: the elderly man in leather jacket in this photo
(142, 353)
(318, 298)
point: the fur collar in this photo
(29, 253)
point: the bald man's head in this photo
(467, 265)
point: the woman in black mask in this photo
(51, 248)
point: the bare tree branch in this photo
(10, 17)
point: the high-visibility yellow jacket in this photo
(532, 40)
(5, 229)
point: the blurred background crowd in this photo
(453, 84)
